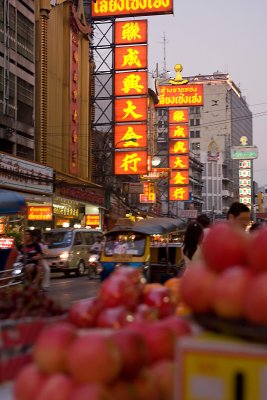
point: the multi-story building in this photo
(17, 75)
(215, 127)
(223, 121)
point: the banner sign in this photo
(129, 8)
(180, 96)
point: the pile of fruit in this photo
(88, 358)
(231, 282)
(19, 302)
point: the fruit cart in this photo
(227, 294)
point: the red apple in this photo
(229, 292)
(94, 357)
(257, 250)
(122, 390)
(179, 326)
(145, 386)
(119, 290)
(160, 341)
(50, 348)
(84, 313)
(90, 391)
(161, 299)
(29, 382)
(255, 309)
(57, 387)
(196, 287)
(114, 317)
(144, 312)
(164, 374)
(133, 351)
(133, 274)
(224, 246)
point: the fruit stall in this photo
(202, 336)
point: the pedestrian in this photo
(192, 243)
(37, 235)
(205, 222)
(32, 254)
(239, 215)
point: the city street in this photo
(66, 290)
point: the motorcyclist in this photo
(95, 251)
(33, 270)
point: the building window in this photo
(195, 146)
(25, 37)
(197, 134)
(194, 110)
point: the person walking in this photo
(192, 243)
(37, 235)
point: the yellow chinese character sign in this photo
(178, 193)
(131, 109)
(130, 83)
(131, 32)
(130, 57)
(178, 146)
(130, 162)
(130, 135)
(178, 116)
(178, 131)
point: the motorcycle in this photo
(94, 265)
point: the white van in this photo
(68, 249)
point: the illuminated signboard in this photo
(179, 178)
(178, 146)
(149, 195)
(125, 133)
(92, 219)
(130, 57)
(131, 32)
(180, 96)
(74, 104)
(179, 162)
(177, 193)
(130, 83)
(131, 109)
(130, 162)
(244, 152)
(178, 131)
(40, 213)
(180, 116)
(129, 8)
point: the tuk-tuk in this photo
(135, 244)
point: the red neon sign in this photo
(130, 57)
(131, 32)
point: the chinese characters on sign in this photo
(130, 89)
(149, 195)
(74, 109)
(178, 154)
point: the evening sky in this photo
(227, 36)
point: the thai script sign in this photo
(180, 96)
(25, 175)
(244, 152)
(40, 213)
(130, 8)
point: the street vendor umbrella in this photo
(11, 202)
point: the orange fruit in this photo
(174, 285)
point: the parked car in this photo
(68, 249)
